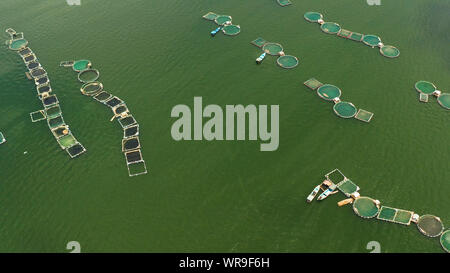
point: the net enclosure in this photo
(364, 115)
(81, 65)
(131, 131)
(425, 87)
(444, 100)
(284, 3)
(287, 61)
(355, 36)
(231, 30)
(272, 48)
(389, 51)
(365, 207)
(344, 109)
(329, 92)
(445, 240)
(330, 27)
(38, 116)
(211, 16)
(18, 44)
(430, 225)
(223, 19)
(92, 88)
(313, 83)
(371, 40)
(344, 33)
(347, 187)
(88, 75)
(398, 216)
(335, 176)
(259, 42)
(423, 97)
(313, 16)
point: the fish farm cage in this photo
(333, 28)
(284, 3)
(51, 111)
(275, 49)
(224, 22)
(333, 93)
(131, 145)
(426, 89)
(366, 207)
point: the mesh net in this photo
(344, 33)
(423, 97)
(430, 225)
(335, 176)
(389, 51)
(130, 144)
(55, 122)
(18, 44)
(75, 150)
(444, 100)
(364, 115)
(313, 83)
(50, 101)
(127, 121)
(445, 240)
(67, 141)
(53, 111)
(394, 215)
(137, 168)
(231, 29)
(287, 61)
(222, 19)
(131, 131)
(102, 96)
(272, 48)
(345, 109)
(330, 27)
(371, 40)
(88, 75)
(92, 88)
(210, 16)
(259, 42)
(365, 207)
(425, 87)
(329, 92)
(284, 3)
(347, 187)
(356, 36)
(81, 65)
(37, 116)
(312, 16)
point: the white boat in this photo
(327, 192)
(313, 194)
(2, 138)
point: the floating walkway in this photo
(367, 207)
(131, 146)
(332, 93)
(284, 3)
(275, 49)
(2, 138)
(426, 89)
(335, 29)
(224, 22)
(52, 110)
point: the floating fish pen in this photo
(335, 29)
(275, 49)
(284, 3)
(366, 207)
(131, 145)
(52, 111)
(224, 22)
(2, 138)
(426, 89)
(342, 109)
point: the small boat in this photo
(2, 138)
(331, 190)
(313, 194)
(260, 58)
(214, 32)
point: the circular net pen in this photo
(18, 44)
(365, 207)
(389, 51)
(345, 109)
(81, 65)
(92, 88)
(231, 30)
(287, 61)
(222, 19)
(444, 100)
(313, 16)
(430, 225)
(329, 92)
(88, 75)
(371, 40)
(272, 48)
(445, 240)
(425, 87)
(330, 27)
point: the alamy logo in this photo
(73, 2)
(374, 2)
(237, 115)
(74, 246)
(374, 246)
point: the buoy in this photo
(65, 131)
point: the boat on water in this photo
(214, 32)
(313, 194)
(260, 58)
(2, 138)
(330, 189)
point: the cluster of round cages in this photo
(427, 88)
(366, 207)
(331, 92)
(385, 50)
(285, 61)
(85, 73)
(225, 21)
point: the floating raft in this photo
(52, 111)
(284, 3)
(342, 109)
(366, 207)
(2, 138)
(131, 146)
(275, 49)
(426, 89)
(335, 29)
(225, 22)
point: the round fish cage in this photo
(445, 240)
(92, 88)
(329, 92)
(81, 65)
(425, 87)
(371, 40)
(365, 207)
(88, 75)
(18, 44)
(390, 51)
(444, 100)
(222, 19)
(345, 109)
(330, 27)
(287, 61)
(231, 30)
(313, 16)
(272, 48)
(430, 225)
